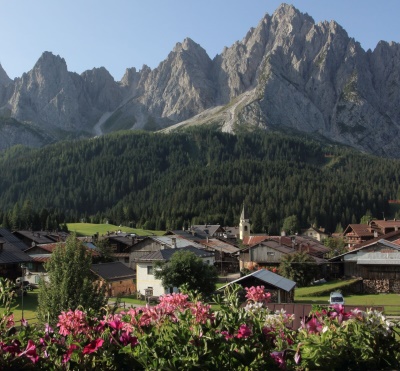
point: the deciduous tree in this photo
(299, 267)
(71, 284)
(185, 268)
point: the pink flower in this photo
(227, 335)
(279, 358)
(13, 348)
(67, 356)
(126, 339)
(30, 352)
(313, 326)
(72, 322)
(257, 294)
(244, 332)
(93, 346)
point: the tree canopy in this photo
(70, 283)
(147, 180)
(186, 269)
(300, 268)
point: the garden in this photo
(184, 333)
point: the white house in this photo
(145, 265)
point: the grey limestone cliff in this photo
(287, 72)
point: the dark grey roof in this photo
(7, 235)
(113, 271)
(12, 252)
(165, 254)
(269, 278)
(37, 237)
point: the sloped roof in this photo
(113, 271)
(360, 230)
(205, 229)
(12, 239)
(386, 223)
(50, 247)
(217, 244)
(11, 253)
(166, 254)
(253, 240)
(269, 278)
(40, 258)
(180, 242)
(37, 237)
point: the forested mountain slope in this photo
(196, 176)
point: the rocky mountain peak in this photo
(287, 73)
(4, 79)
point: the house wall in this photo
(122, 287)
(265, 254)
(145, 280)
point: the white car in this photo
(336, 298)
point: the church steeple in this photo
(244, 225)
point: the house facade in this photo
(376, 263)
(272, 250)
(145, 266)
(317, 234)
(118, 278)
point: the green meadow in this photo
(89, 229)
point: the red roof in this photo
(253, 240)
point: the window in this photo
(270, 253)
(126, 260)
(150, 270)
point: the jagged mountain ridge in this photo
(286, 72)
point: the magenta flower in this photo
(93, 346)
(67, 356)
(244, 332)
(314, 326)
(279, 358)
(127, 339)
(30, 352)
(258, 294)
(13, 348)
(227, 335)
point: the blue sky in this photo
(118, 34)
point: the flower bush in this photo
(183, 333)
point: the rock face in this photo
(288, 72)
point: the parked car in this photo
(336, 298)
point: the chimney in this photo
(173, 242)
(375, 234)
(283, 233)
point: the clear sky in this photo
(119, 34)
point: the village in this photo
(372, 255)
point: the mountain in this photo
(288, 73)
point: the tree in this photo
(185, 268)
(291, 224)
(299, 267)
(365, 219)
(71, 284)
(337, 246)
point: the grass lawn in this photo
(30, 303)
(89, 229)
(312, 295)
